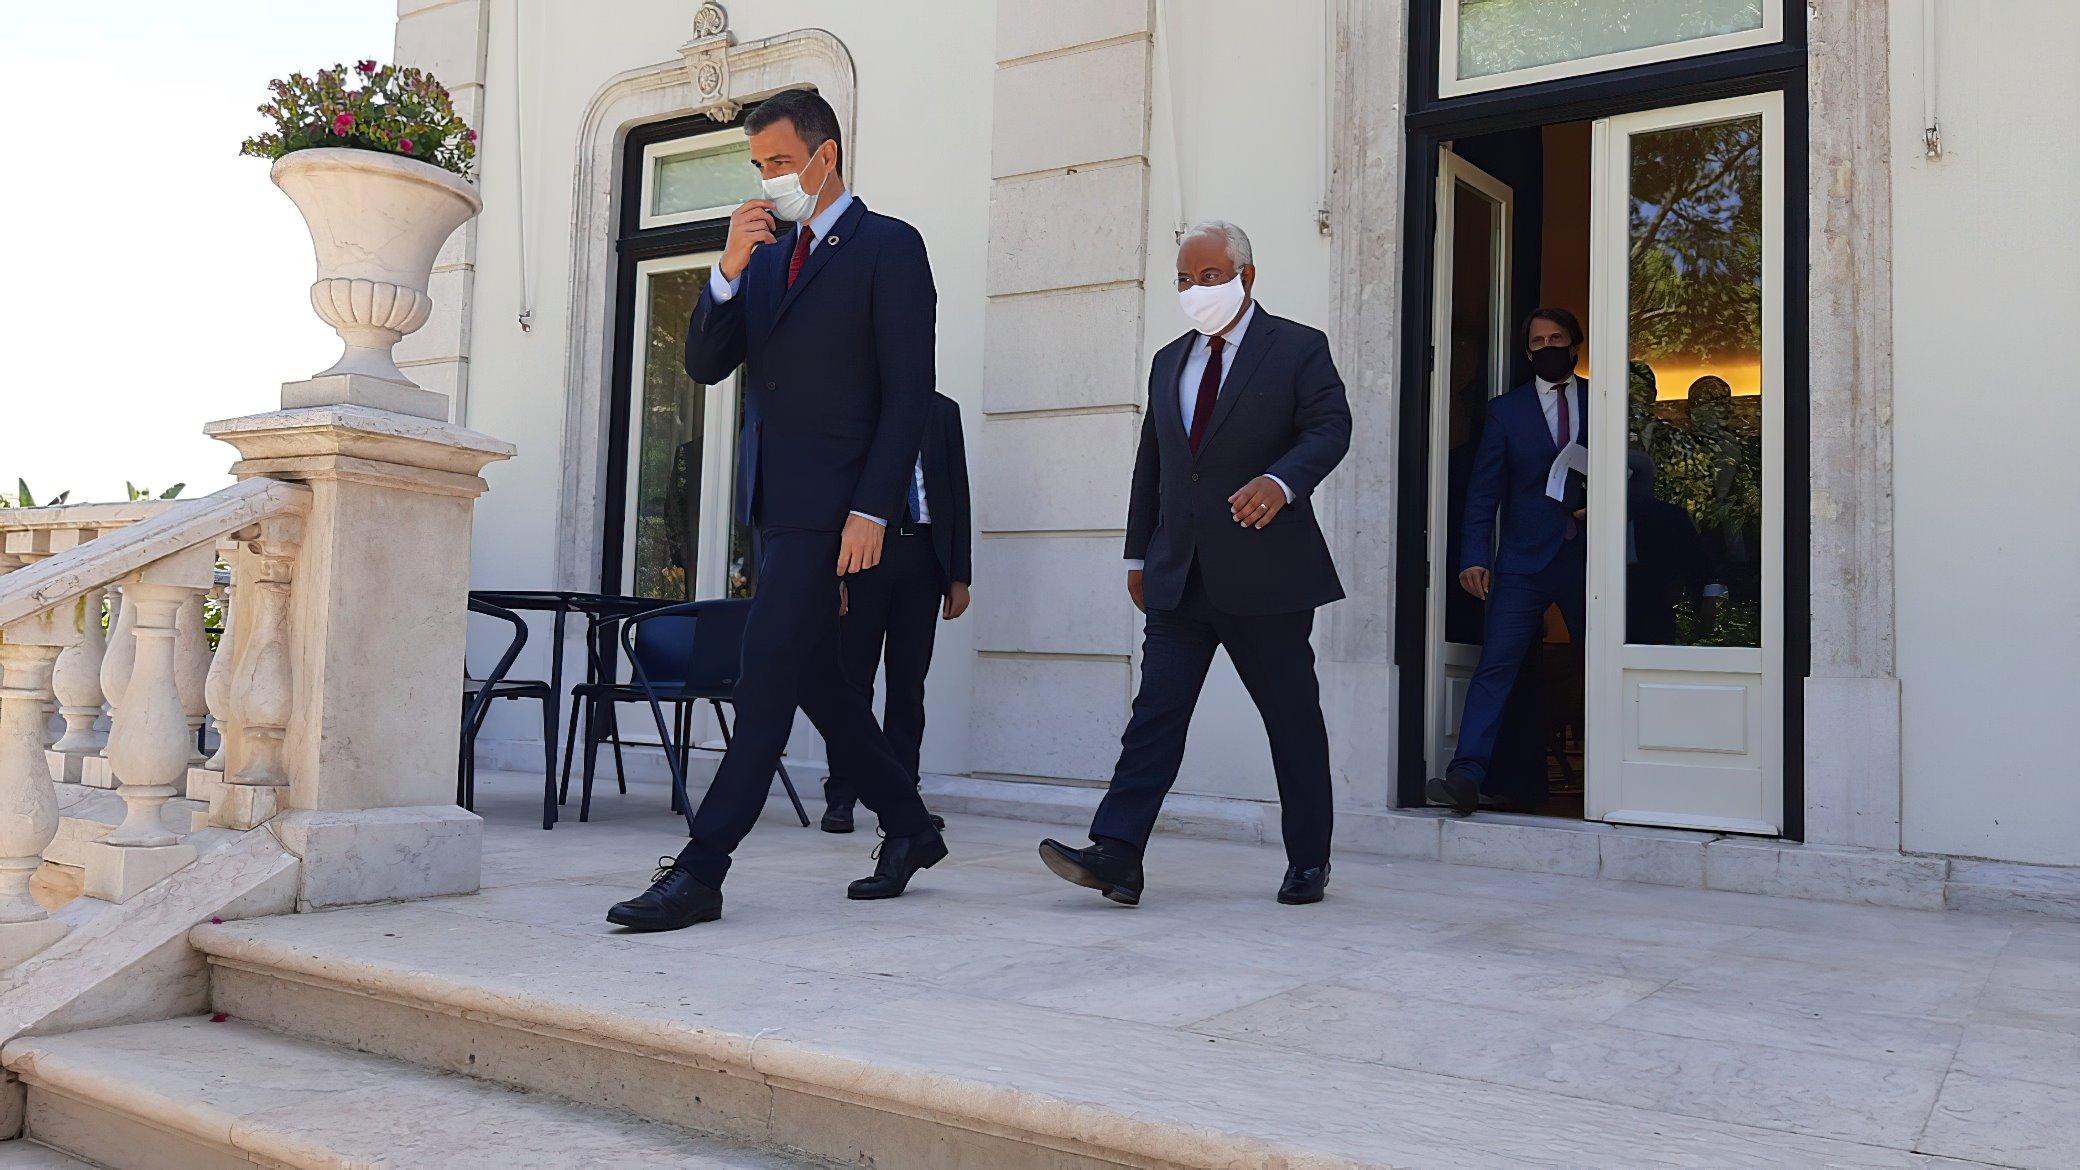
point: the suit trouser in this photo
(791, 660)
(1517, 607)
(1275, 661)
(896, 604)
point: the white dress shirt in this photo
(818, 227)
(1549, 401)
(1188, 378)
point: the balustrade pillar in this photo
(149, 748)
(191, 672)
(261, 687)
(28, 801)
(117, 661)
(216, 686)
(76, 681)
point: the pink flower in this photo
(364, 66)
(343, 123)
(405, 144)
(469, 136)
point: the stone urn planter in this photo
(377, 221)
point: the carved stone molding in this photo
(741, 74)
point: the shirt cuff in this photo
(1134, 566)
(1281, 486)
(722, 290)
(875, 519)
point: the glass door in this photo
(1686, 640)
(1470, 351)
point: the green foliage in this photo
(1696, 248)
(22, 497)
(383, 108)
(138, 493)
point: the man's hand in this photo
(859, 549)
(749, 226)
(1134, 589)
(956, 600)
(1474, 581)
(1259, 500)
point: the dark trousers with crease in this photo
(1517, 604)
(791, 659)
(894, 605)
(1272, 656)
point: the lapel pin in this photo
(831, 240)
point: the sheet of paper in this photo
(1573, 457)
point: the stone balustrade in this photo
(101, 610)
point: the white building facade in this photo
(1863, 294)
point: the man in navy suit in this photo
(833, 325)
(1246, 415)
(924, 574)
(1540, 560)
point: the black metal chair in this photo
(683, 655)
(477, 695)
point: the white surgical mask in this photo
(1212, 308)
(790, 202)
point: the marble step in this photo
(189, 1094)
(859, 1068)
(23, 1154)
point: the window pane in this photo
(1500, 36)
(695, 180)
(668, 446)
(1694, 330)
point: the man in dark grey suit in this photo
(1246, 415)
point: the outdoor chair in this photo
(682, 655)
(477, 695)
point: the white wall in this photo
(1986, 296)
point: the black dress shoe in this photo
(1304, 887)
(837, 817)
(1095, 867)
(674, 901)
(1459, 790)
(896, 861)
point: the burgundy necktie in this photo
(1209, 389)
(801, 254)
(1564, 435)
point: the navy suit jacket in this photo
(839, 370)
(945, 459)
(1516, 453)
(1281, 411)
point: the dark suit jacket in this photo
(945, 455)
(1509, 472)
(838, 372)
(1281, 412)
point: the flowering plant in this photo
(368, 107)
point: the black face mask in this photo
(1554, 363)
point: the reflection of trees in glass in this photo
(1696, 241)
(1496, 36)
(668, 444)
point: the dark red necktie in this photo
(1564, 435)
(1209, 389)
(801, 254)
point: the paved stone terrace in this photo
(1425, 1014)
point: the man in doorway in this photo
(1246, 415)
(927, 564)
(1540, 561)
(834, 329)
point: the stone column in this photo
(376, 631)
(76, 681)
(1068, 252)
(260, 689)
(116, 664)
(191, 673)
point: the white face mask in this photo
(1212, 308)
(790, 202)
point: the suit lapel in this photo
(1163, 387)
(820, 255)
(769, 264)
(1248, 356)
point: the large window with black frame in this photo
(1601, 537)
(672, 440)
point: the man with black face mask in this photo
(1540, 559)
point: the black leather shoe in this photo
(837, 818)
(896, 861)
(674, 901)
(1304, 887)
(1459, 790)
(1095, 867)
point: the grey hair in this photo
(1236, 239)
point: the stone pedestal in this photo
(378, 624)
(364, 390)
(95, 772)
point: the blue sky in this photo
(151, 279)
